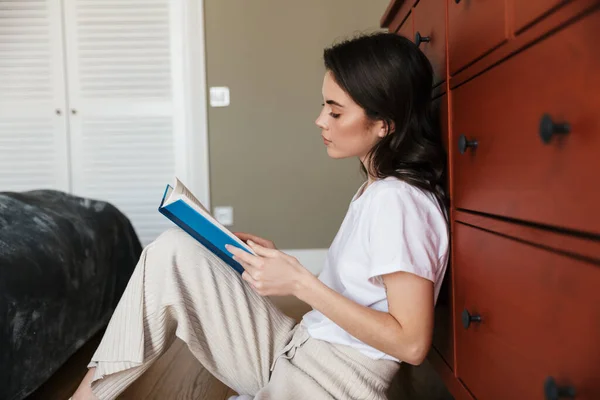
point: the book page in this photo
(186, 192)
(186, 195)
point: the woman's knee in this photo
(174, 240)
(170, 237)
(178, 249)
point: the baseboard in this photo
(311, 259)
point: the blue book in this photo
(182, 208)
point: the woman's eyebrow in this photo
(334, 103)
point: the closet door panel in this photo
(124, 91)
(33, 135)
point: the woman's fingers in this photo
(245, 237)
(240, 256)
(266, 243)
(263, 251)
(250, 274)
(257, 286)
(271, 253)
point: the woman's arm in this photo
(404, 332)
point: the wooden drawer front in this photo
(430, 26)
(395, 14)
(406, 29)
(540, 318)
(528, 11)
(443, 335)
(475, 27)
(512, 172)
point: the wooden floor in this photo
(178, 375)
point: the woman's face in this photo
(345, 128)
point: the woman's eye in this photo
(331, 113)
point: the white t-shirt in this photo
(392, 226)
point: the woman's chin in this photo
(332, 153)
(335, 153)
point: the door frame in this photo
(195, 101)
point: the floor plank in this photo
(176, 375)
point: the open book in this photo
(181, 206)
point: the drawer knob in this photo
(467, 318)
(464, 144)
(555, 392)
(457, 1)
(549, 128)
(420, 39)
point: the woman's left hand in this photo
(271, 272)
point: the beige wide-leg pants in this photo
(180, 289)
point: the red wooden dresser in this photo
(517, 83)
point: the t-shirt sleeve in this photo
(404, 234)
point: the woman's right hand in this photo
(244, 237)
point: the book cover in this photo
(182, 208)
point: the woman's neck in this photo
(366, 164)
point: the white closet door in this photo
(125, 95)
(33, 136)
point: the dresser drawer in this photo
(539, 318)
(527, 12)
(443, 335)
(522, 167)
(475, 27)
(406, 29)
(430, 35)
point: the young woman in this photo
(373, 303)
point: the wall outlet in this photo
(224, 215)
(219, 96)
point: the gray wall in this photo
(267, 159)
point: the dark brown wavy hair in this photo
(391, 79)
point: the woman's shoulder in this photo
(399, 211)
(394, 192)
(391, 187)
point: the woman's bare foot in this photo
(84, 391)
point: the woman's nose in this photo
(321, 121)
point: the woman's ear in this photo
(385, 128)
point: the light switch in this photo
(219, 96)
(224, 215)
